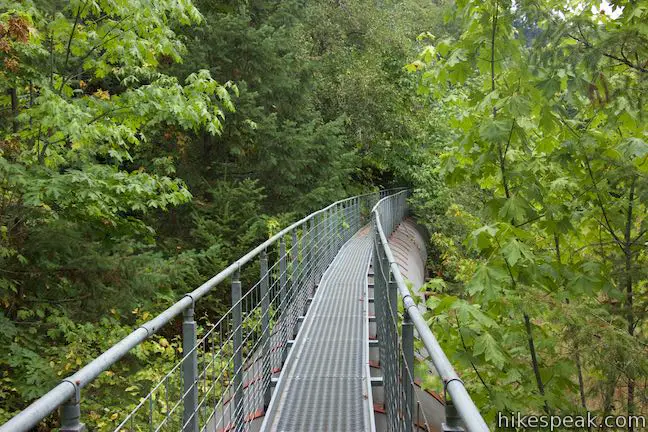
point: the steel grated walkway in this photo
(324, 385)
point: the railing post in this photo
(294, 274)
(341, 221)
(312, 253)
(330, 239)
(71, 413)
(321, 238)
(360, 203)
(392, 291)
(302, 268)
(295, 261)
(390, 223)
(282, 275)
(265, 328)
(356, 213)
(333, 232)
(189, 371)
(347, 220)
(317, 247)
(338, 227)
(283, 299)
(237, 322)
(408, 369)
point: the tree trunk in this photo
(14, 108)
(629, 291)
(534, 360)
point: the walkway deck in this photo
(324, 385)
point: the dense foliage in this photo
(145, 145)
(544, 303)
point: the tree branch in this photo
(622, 59)
(69, 44)
(608, 225)
(463, 342)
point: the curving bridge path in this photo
(320, 337)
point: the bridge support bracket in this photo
(71, 417)
(452, 421)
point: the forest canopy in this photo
(145, 145)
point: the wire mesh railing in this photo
(404, 412)
(225, 376)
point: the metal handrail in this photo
(453, 385)
(69, 388)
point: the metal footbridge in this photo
(326, 387)
(319, 337)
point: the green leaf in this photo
(513, 251)
(495, 130)
(486, 344)
(482, 237)
(634, 147)
(519, 105)
(487, 278)
(514, 209)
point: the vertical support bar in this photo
(283, 298)
(392, 292)
(312, 242)
(70, 413)
(344, 221)
(348, 221)
(237, 322)
(341, 223)
(335, 232)
(294, 261)
(392, 214)
(294, 285)
(302, 268)
(189, 371)
(329, 236)
(337, 227)
(349, 217)
(408, 369)
(319, 247)
(265, 328)
(359, 210)
(332, 233)
(323, 231)
(282, 276)
(324, 240)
